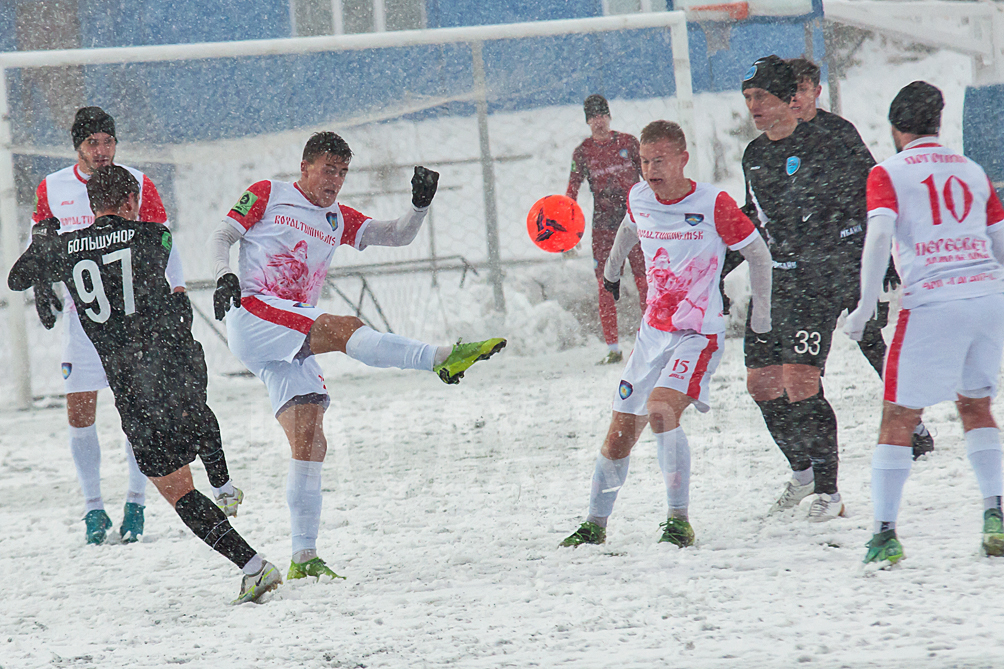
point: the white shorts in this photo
(945, 349)
(81, 366)
(683, 361)
(268, 334)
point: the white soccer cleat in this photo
(254, 586)
(824, 508)
(228, 503)
(793, 493)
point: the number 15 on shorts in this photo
(807, 342)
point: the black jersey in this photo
(807, 193)
(845, 133)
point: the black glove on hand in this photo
(183, 308)
(228, 291)
(423, 186)
(612, 287)
(45, 302)
(892, 280)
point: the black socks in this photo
(209, 524)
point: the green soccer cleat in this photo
(228, 503)
(993, 533)
(613, 357)
(97, 523)
(132, 523)
(314, 567)
(464, 356)
(588, 533)
(677, 531)
(884, 547)
(254, 586)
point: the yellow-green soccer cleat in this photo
(993, 533)
(254, 586)
(228, 503)
(588, 533)
(314, 567)
(464, 355)
(885, 548)
(677, 531)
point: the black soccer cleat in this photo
(923, 442)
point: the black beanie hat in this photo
(773, 75)
(916, 109)
(596, 105)
(88, 121)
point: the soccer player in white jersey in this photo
(288, 233)
(63, 195)
(939, 214)
(684, 228)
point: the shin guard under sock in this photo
(983, 446)
(777, 416)
(209, 524)
(136, 492)
(817, 430)
(87, 459)
(890, 469)
(673, 452)
(383, 349)
(303, 495)
(608, 478)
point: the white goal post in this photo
(475, 36)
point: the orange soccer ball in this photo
(555, 223)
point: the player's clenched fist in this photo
(228, 291)
(423, 186)
(612, 287)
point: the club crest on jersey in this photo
(67, 369)
(693, 219)
(794, 162)
(624, 390)
(332, 220)
(750, 73)
(623, 154)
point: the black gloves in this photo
(892, 280)
(423, 186)
(30, 267)
(45, 303)
(182, 306)
(228, 291)
(612, 287)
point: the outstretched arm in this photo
(228, 286)
(627, 237)
(403, 231)
(874, 264)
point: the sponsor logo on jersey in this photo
(244, 204)
(330, 240)
(791, 264)
(693, 235)
(624, 390)
(99, 241)
(332, 220)
(794, 162)
(693, 219)
(853, 230)
(575, 168)
(624, 154)
(67, 369)
(65, 203)
(165, 240)
(750, 73)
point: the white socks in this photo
(608, 477)
(674, 461)
(890, 469)
(983, 446)
(303, 495)
(136, 493)
(87, 457)
(803, 477)
(227, 488)
(615, 347)
(254, 565)
(383, 349)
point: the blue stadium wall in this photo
(238, 98)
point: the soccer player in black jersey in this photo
(114, 271)
(843, 131)
(802, 189)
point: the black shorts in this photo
(804, 310)
(160, 394)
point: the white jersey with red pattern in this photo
(63, 195)
(943, 204)
(287, 242)
(684, 243)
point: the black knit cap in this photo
(88, 121)
(916, 109)
(773, 75)
(596, 105)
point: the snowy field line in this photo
(444, 507)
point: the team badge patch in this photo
(244, 204)
(625, 390)
(693, 219)
(794, 162)
(301, 305)
(67, 368)
(750, 73)
(624, 154)
(165, 240)
(332, 220)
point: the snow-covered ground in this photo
(444, 507)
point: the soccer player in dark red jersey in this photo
(610, 161)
